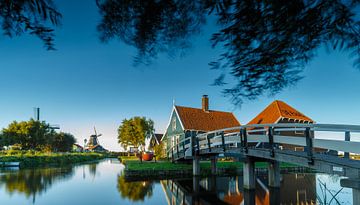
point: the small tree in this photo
(133, 132)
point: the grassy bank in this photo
(165, 169)
(135, 165)
(36, 159)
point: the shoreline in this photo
(52, 159)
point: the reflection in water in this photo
(32, 182)
(135, 191)
(295, 189)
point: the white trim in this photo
(170, 119)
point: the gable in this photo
(174, 126)
(276, 111)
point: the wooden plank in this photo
(282, 139)
(345, 146)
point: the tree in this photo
(133, 132)
(30, 134)
(37, 135)
(62, 142)
(265, 44)
(35, 17)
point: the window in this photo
(174, 123)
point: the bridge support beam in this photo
(249, 174)
(274, 174)
(213, 160)
(196, 166)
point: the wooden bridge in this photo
(266, 142)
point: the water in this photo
(102, 184)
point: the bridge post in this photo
(249, 173)
(243, 139)
(309, 146)
(347, 138)
(354, 184)
(271, 141)
(213, 165)
(274, 174)
(196, 166)
(356, 196)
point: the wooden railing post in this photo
(209, 144)
(271, 141)
(183, 145)
(197, 146)
(309, 146)
(177, 149)
(244, 143)
(223, 140)
(347, 138)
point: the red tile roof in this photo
(276, 110)
(198, 119)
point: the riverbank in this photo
(134, 169)
(29, 159)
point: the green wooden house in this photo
(186, 121)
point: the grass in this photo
(35, 159)
(134, 164)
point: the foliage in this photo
(37, 135)
(36, 158)
(135, 191)
(63, 142)
(159, 150)
(265, 44)
(35, 17)
(30, 134)
(133, 132)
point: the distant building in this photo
(93, 145)
(280, 112)
(154, 140)
(77, 148)
(186, 120)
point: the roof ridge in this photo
(202, 109)
(278, 107)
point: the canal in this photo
(102, 183)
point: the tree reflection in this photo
(33, 181)
(135, 191)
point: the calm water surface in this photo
(102, 184)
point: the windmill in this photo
(93, 143)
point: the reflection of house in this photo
(77, 148)
(280, 112)
(185, 120)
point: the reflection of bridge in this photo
(252, 143)
(229, 190)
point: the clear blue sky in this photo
(86, 83)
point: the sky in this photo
(86, 83)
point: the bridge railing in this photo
(273, 135)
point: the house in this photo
(280, 112)
(155, 139)
(77, 148)
(186, 121)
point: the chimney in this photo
(205, 103)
